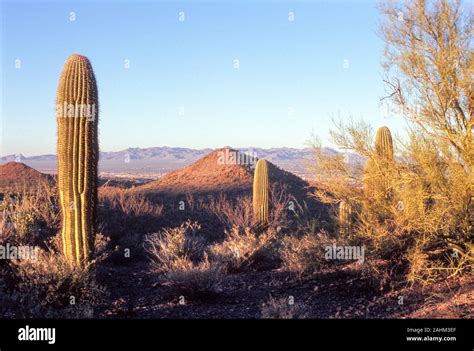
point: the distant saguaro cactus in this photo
(378, 170)
(78, 148)
(345, 217)
(384, 144)
(260, 193)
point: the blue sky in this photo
(183, 87)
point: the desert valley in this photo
(257, 276)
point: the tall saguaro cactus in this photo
(77, 118)
(260, 193)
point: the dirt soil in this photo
(341, 293)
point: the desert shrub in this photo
(238, 213)
(46, 285)
(6, 230)
(50, 287)
(129, 203)
(30, 215)
(427, 264)
(197, 203)
(169, 247)
(243, 250)
(381, 275)
(178, 255)
(194, 280)
(279, 200)
(423, 226)
(422, 220)
(304, 221)
(305, 254)
(281, 308)
(232, 214)
(302, 255)
(102, 247)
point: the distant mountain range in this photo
(221, 172)
(229, 172)
(156, 161)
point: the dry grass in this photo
(178, 254)
(46, 286)
(282, 308)
(30, 215)
(302, 255)
(244, 250)
(305, 254)
(232, 214)
(129, 203)
(238, 213)
(279, 202)
(49, 287)
(304, 221)
(194, 280)
(171, 246)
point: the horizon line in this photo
(178, 147)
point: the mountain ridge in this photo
(15, 175)
(164, 159)
(224, 170)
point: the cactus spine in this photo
(345, 218)
(77, 119)
(260, 193)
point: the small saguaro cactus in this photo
(260, 193)
(377, 169)
(345, 217)
(384, 144)
(78, 148)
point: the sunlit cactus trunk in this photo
(377, 170)
(345, 218)
(261, 193)
(77, 118)
(384, 144)
(384, 150)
